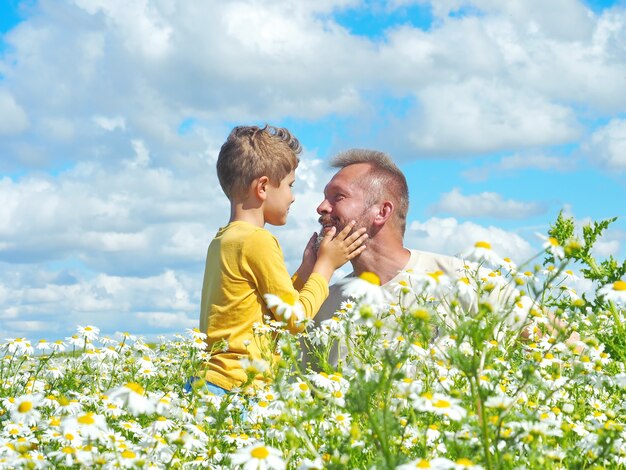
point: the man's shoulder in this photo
(429, 261)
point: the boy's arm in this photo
(265, 262)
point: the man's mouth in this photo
(326, 225)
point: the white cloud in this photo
(486, 204)
(448, 236)
(172, 321)
(607, 248)
(52, 310)
(13, 118)
(110, 123)
(482, 116)
(510, 164)
(607, 145)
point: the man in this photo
(371, 189)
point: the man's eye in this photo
(339, 197)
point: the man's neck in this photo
(383, 259)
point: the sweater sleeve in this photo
(263, 258)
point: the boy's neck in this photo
(242, 211)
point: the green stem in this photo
(474, 384)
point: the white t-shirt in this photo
(419, 262)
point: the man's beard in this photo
(327, 222)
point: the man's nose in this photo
(324, 207)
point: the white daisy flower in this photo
(436, 463)
(258, 457)
(441, 405)
(89, 332)
(366, 287)
(19, 346)
(58, 346)
(482, 252)
(342, 421)
(132, 396)
(24, 409)
(89, 425)
(615, 292)
(552, 246)
(253, 367)
(43, 345)
(284, 308)
(500, 402)
(465, 464)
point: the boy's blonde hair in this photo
(251, 152)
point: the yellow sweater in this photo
(243, 263)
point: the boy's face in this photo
(279, 199)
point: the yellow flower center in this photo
(260, 453)
(25, 407)
(436, 275)
(466, 462)
(288, 298)
(128, 454)
(135, 387)
(423, 464)
(442, 404)
(482, 244)
(619, 285)
(86, 419)
(370, 277)
(553, 241)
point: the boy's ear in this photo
(259, 187)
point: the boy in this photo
(256, 170)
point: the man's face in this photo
(345, 200)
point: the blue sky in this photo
(501, 114)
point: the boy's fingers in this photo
(356, 235)
(357, 252)
(359, 241)
(330, 235)
(346, 230)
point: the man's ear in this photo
(385, 210)
(259, 187)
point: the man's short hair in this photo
(384, 180)
(251, 152)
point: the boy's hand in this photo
(336, 250)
